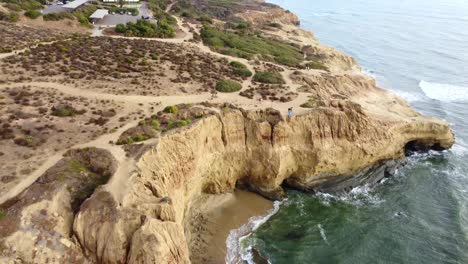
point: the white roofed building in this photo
(98, 15)
(75, 4)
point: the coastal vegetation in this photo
(33, 14)
(250, 46)
(82, 14)
(240, 69)
(228, 86)
(18, 5)
(15, 37)
(173, 116)
(268, 77)
(158, 7)
(316, 66)
(144, 28)
(9, 16)
(58, 16)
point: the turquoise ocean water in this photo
(418, 49)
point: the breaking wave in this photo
(234, 252)
(444, 92)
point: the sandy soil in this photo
(216, 217)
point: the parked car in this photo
(122, 12)
(112, 13)
(129, 13)
(59, 3)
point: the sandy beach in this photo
(218, 215)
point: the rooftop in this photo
(99, 14)
(75, 4)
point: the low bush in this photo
(238, 65)
(82, 14)
(24, 4)
(2, 214)
(268, 77)
(9, 17)
(228, 86)
(240, 69)
(242, 72)
(33, 14)
(249, 46)
(58, 16)
(171, 109)
(144, 28)
(316, 65)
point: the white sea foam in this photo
(322, 233)
(444, 92)
(409, 96)
(234, 252)
(358, 196)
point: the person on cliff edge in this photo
(290, 112)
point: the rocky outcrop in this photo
(258, 149)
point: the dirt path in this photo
(169, 7)
(134, 102)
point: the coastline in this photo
(218, 216)
(207, 220)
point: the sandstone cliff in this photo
(256, 148)
(144, 216)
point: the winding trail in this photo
(127, 165)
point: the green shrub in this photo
(58, 16)
(316, 65)
(242, 25)
(240, 69)
(238, 65)
(144, 28)
(33, 14)
(242, 72)
(184, 122)
(171, 109)
(250, 45)
(228, 86)
(9, 17)
(268, 77)
(157, 7)
(205, 19)
(18, 5)
(2, 214)
(120, 28)
(82, 14)
(155, 124)
(64, 112)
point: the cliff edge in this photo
(137, 203)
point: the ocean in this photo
(419, 50)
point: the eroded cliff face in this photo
(258, 149)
